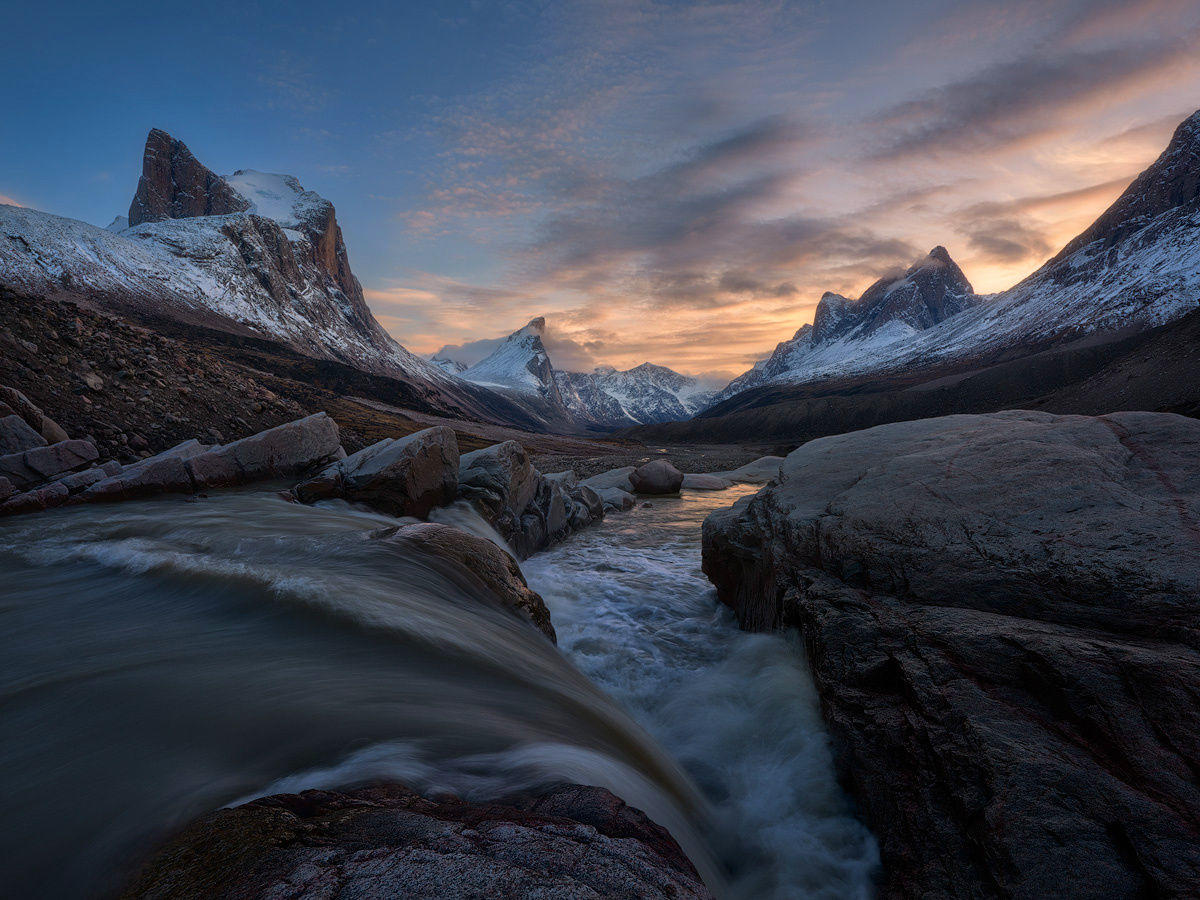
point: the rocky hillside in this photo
(1134, 268)
(1000, 614)
(250, 253)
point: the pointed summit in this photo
(520, 363)
(175, 185)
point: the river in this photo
(163, 658)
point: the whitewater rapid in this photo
(164, 658)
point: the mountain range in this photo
(1134, 267)
(1105, 324)
(255, 255)
(603, 398)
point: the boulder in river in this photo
(385, 841)
(656, 477)
(613, 478)
(478, 564)
(405, 476)
(1002, 616)
(700, 482)
(529, 510)
(759, 471)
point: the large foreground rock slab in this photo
(284, 451)
(1001, 614)
(39, 464)
(384, 842)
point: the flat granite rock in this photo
(1002, 616)
(385, 841)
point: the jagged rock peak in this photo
(175, 185)
(536, 325)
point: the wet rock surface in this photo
(528, 509)
(386, 841)
(1001, 616)
(479, 565)
(405, 476)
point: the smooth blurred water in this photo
(164, 658)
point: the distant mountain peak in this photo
(520, 364)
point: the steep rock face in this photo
(386, 841)
(1172, 181)
(519, 364)
(175, 185)
(1002, 615)
(252, 253)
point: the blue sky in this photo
(676, 182)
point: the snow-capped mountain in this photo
(520, 364)
(446, 364)
(604, 398)
(1135, 267)
(890, 311)
(251, 253)
(642, 395)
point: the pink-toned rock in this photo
(42, 463)
(35, 500)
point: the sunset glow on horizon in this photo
(668, 182)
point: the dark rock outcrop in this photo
(529, 510)
(656, 477)
(16, 436)
(386, 841)
(405, 476)
(13, 402)
(1001, 615)
(42, 463)
(490, 571)
(175, 185)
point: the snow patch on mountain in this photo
(642, 395)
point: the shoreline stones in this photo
(1002, 618)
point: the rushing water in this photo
(161, 659)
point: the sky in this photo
(663, 181)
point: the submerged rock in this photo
(405, 476)
(1001, 614)
(385, 841)
(478, 563)
(657, 477)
